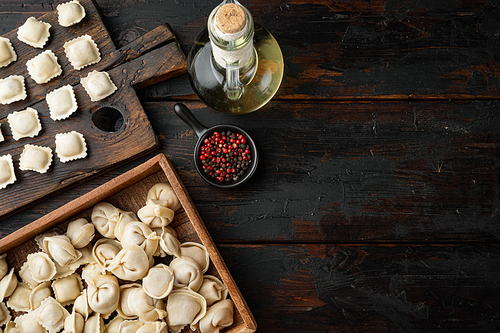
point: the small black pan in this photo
(203, 132)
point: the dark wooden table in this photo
(375, 207)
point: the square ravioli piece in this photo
(7, 175)
(70, 13)
(70, 146)
(1, 135)
(82, 52)
(98, 85)
(61, 102)
(24, 124)
(34, 32)
(12, 89)
(7, 53)
(44, 67)
(35, 158)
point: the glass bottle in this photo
(234, 65)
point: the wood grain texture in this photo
(398, 172)
(352, 288)
(352, 49)
(338, 50)
(382, 172)
(375, 206)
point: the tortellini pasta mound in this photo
(115, 280)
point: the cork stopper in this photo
(230, 18)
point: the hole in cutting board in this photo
(108, 119)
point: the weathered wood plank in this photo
(326, 288)
(336, 50)
(343, 172)
(352, 49)
(353, 171)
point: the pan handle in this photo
(188, 117)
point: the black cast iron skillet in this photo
(202, 133)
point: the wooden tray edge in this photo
(206, 239)
(77, 205)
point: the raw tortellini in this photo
(80, 232)
(161, 204)
(137, 233)
(74, 323)
(187, 273)
(106, 218)
(4, 314)
(196, 252)
(162, 194)
(59, 248)
(159, 281)
(103, 293)
(104, 251)
(212, 289)
(169, 244)
(217, 317)
(4, 268)
(38, 294)
(114, 279)
(185, 307)
(130, 264)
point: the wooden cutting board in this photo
(116, 129)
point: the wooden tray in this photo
(128, 192)
(152, 58)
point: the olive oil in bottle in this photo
(234, 66)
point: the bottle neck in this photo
(229, 46)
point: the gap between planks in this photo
(343, 99)
(358, 244)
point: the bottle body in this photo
(235, 76)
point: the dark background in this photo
(375, 207)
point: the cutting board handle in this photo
(158, 37)
(156, 66)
